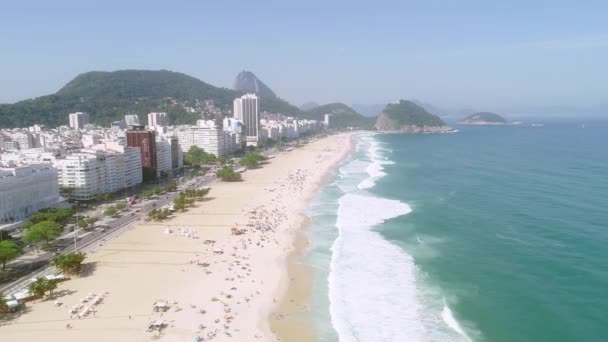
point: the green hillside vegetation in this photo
(108, 96)
(342, 116)
(485, 117)
(406, 113)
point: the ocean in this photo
(489, 234)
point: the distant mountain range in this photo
(108, 96)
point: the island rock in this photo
(408, 117)
(484, 118)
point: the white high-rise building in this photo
(131, 120)
(238, 109)
(157, 120)
(26, 189)
(163, 155)
(78, 120)
(103, 168)
(246, 109)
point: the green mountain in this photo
(108, 96)
(408, 117)
(484, 118)
(341, 116)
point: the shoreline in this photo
(290, 318)
(221, 290)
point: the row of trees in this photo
(113, 210)
(44, 231)
(58, 215)
(159, 214)
(68, 264)
(159, 190)
(42, 227)
(86, 222)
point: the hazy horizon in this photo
(514, 57)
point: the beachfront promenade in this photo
(216, 272)
(90, 240)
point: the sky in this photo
(486, 55)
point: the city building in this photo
(132, 120)
(78, 120)
(177, 154)
(164, 161)
(146, 141)
(26, 189)
(24, 140)
(246, 109)
(104, 168)
(157, 120)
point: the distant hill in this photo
(247, 82)
(484, 118)
(308, 106)
(368, 109)
(108, 96)
(407, 117)
(341, 116)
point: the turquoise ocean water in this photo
(488, 234)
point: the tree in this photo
(8, 252)
(179, 203)
(157, 190)
(110, 211)
(70, 263)
(196, 156)
(83, 224)
(3, 305)
(91, 220)
(39, 287)
(59, 215)
(120, 205)
(249, 161)
(42, 231)
(227, 174)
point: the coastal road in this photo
(94, 238)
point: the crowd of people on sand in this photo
(259, 228)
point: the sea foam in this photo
(376, 155)
(373, 286)
(371, 282)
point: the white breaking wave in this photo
(373, 287)
(448, 318)
(372, 282)
(378, 160)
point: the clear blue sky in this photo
(450, 53)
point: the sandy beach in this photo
(207, 282)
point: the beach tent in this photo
(161, 305)
(23, 294)
(156, 324)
